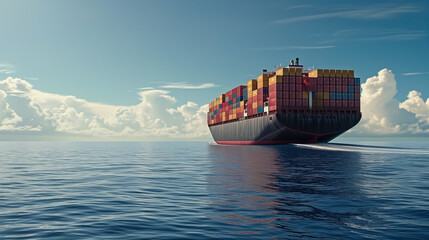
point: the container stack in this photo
(285, 90)
(228, 106)
(288, 89)
(252, 85)
(262, 91)
(333, 90)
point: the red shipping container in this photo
(357, 104)
(292, 87)
(291, 102)
(286, 87)
(332, 88)
(326, 88)
(298, 95)
(332, 103)
(305, 102)
(298, 88)
(326, 103)
(345, 103)
(338, 81)
(326, 81)
(273, 95)
(292, 80)
(298, 102)
(357, 89)
(292, 95)
(298, 79)
(350, 81)
(357, 96)
(285, 102)
(345, 88)
(320, 81)
(338, 104)
(285, 95)
(319, 88)
(338, 88)
(351, 103)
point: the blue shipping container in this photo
(245, 97)
(339, 96)
(234, 95)
(220, 105)
(260, 109)
(230, 102)
(345, 96)
(351, 96)
(357, 81)
(265, 90)
(351, 89)
(332, 95)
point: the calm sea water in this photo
(74, 190)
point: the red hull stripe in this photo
(262, 142)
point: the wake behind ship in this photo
(287, 105)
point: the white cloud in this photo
(7, 68)
(294, 47)
(382, 114)
(182, 85)
(23, 108)
(355, 12)
(414, 73)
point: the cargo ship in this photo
(287, 105)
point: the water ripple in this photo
(208, 191)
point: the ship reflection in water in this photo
(288, 191)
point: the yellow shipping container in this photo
(222, 98)
(252, 85)
(283, 72)
(262, 76)
(234, 111)
(234, 116)
(337, 73)
(325, 95)
(254, 105)
(331, 73)
(319, 95)
(255, 93)
(316, 73)
(263, 80)
(223, 118)
(241, 103)
(351, 74)
(275, 79)
(298, 71)
(230, 117)
(305, 95)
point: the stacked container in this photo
(334, 90)
(288, 89)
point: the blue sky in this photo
(109, 51)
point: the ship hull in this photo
(284, 128)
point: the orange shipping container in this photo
(316, 73)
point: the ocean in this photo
(200, 190)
